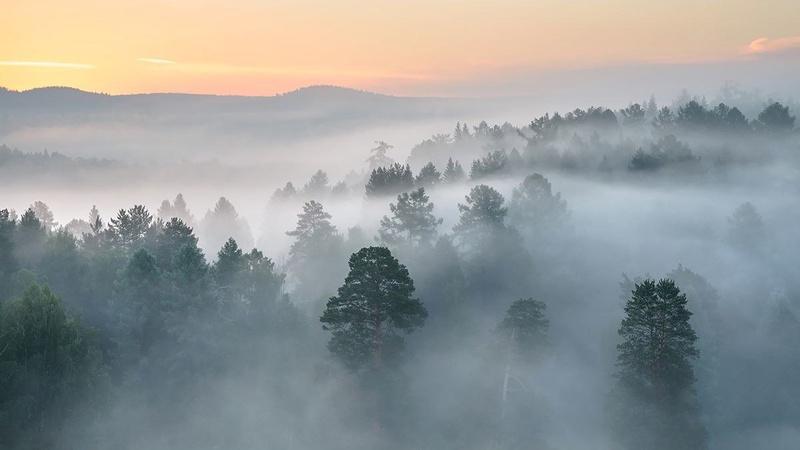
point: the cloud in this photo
(46, 64)
(156, 61)
(766, 45)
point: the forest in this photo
(601, 278)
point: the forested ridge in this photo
(154, 328)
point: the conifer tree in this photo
(371, 308)
(654, 404)
(412, 220)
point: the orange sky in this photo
(260, 47)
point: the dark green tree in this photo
(132, 229)
(372, 308)
(654, 404)
(49, 364)
(412, 220)
(453, 172)
(493, 164)
(482, 214)
(29, 240)
(8, 260)
(390, 180)
(428, 176)
(174, 235)
(775, 118)
(525, 327)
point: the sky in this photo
(402, 47)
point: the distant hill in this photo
(158, 127)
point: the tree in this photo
(746, 229)
(692, 115)
(412, 220)
(29, 240)
(314, 231)
(222, 223)
(654, 404)
(317, 185)
(49, 363)
(524, 333)
(453, 172)
(634, 114)
(176, 209)
(664, 120)
(390, 180)
(174, 235)
(428, 176)
(493, 164)
(482, 214)
(44, 215)
(287, 193)
(775, 118)
(132, 229)
(534, 207)
(525, 326)
(315, 253)
(372, 307)
(8, 259)
(377, 157)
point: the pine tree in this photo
(482, 214)
(378, 157)
(534, 207)
(372, 307)
(453, 172)
(654, 404)
(412, 220)
(428, 176)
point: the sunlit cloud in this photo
(157, 61)
(766, 45)
(46, 64)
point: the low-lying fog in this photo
(648, 223)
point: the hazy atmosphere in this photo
(399, 225)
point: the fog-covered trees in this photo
(412, 220)
(315, 251)
(371, 309)
(176, 209)
(378, 156)
(131, 229)
(44, 215)
(453, 172)
(317, 185)
(48, 364)
(390, 180)
(482, 214)
(224, 222)
(746, 229)
(775, 118)
(493, 164)
(525, 327)
(654, 404)
(534, 207)
(428, 176)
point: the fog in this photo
(216, 370)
